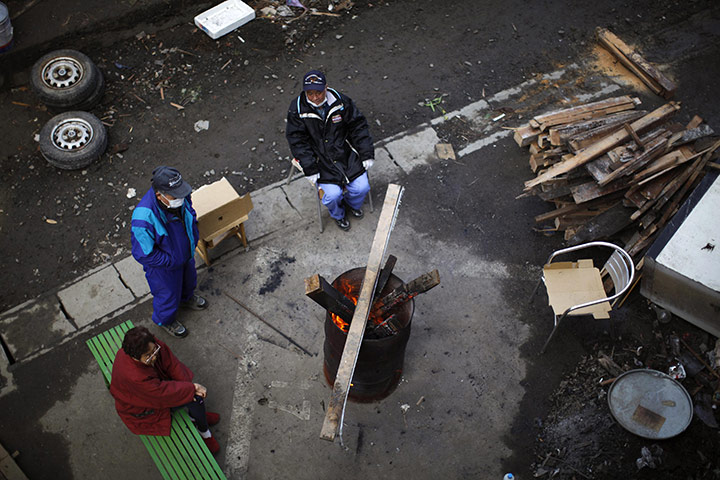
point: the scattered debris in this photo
(201, 125)
(131, 193)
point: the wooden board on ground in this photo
(444, 151)
(657, 82)
(341, 386)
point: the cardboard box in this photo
(219, 208)
(574, 283)
(224, 18)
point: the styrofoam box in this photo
(224, 18)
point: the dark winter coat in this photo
(334, 146)
(144, 394)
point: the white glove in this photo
(313, 178)
(367, 164)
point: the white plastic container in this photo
(224, 18)
(6, 29)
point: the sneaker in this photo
(212, 445)
(355, 212)
(176, 328)
(343, 223)
(212, 418)
(195, 303)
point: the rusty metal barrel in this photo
(380, 362)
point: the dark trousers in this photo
(196, 409)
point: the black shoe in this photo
(176, 328)
(343, 223)
(355, 212)
(196, 303)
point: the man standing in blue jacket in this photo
(330, 138)
(164, 235)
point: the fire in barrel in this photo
(380, 361)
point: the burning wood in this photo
(341, 303)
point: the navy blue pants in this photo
(196, 409)
(169, 287)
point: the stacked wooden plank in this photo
(609, 168)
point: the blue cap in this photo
(314, 80)
(169, 180)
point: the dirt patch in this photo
(579, 437)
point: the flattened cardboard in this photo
(219, 208)
(574, 283)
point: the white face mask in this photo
(318, 105)
(176, 203)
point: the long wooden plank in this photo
(602, 146)
(341, 387)
(585, 111)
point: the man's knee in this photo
(332, 195)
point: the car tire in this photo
(63, 79)
(95, 96)
(73, 140)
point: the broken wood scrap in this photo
(690, 135)
(646, 72)
(638, 194)
(525, 135)
(586, 111)
(601, 204)
(325, 295)
(561, 134)
(591, 190)
(584, 139)
(405, 293)
(653, 149)
(668, 191)
(602, 146)
(603, 225)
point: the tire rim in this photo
(71, 134)
(62, 72)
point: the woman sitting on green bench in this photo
(148, 382)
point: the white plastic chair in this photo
(619, 266)
(296, 165)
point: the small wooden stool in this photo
(221, 213)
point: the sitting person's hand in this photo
(200, 390)
(313, 178)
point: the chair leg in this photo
(292, 169)
(556, 323)
(532, 295)
(319, 211)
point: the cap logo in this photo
(314, 80)
(174, 181)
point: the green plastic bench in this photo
(182, 455)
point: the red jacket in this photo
(144, 394)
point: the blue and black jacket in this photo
(160, 240)
(333, 145)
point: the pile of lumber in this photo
(611, 169)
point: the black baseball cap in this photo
(169, 180)
(314, 80)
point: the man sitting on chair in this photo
(330, 138)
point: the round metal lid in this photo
(650, 404)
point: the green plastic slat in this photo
(171, 455)
(156, 459)
(105, 363)
(181, 445)
(209, 463)
(159, 449)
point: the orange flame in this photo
(352, 291)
